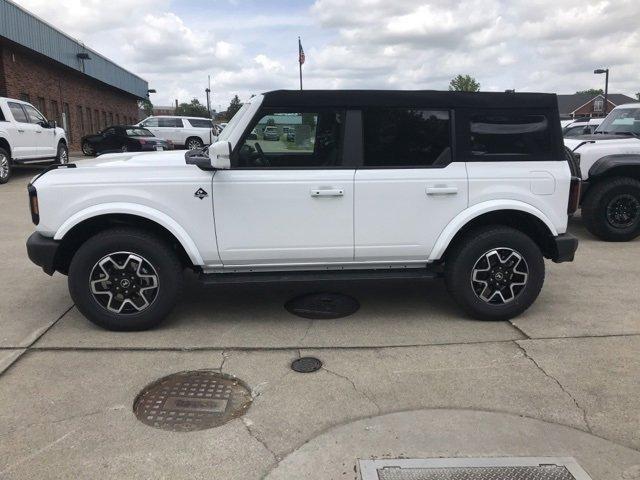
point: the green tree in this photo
(146, 106)
(464, 83)
(234, 106)
(592, 91)
(192, 109)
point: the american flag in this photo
(300, 52)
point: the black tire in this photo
(468, 252)
(87, 149)
(163, 260)
(62, 155)
(193, 143)
(598, 209)
(5, 166)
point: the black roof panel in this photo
(408, 98)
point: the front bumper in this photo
(42, 251)
(563, 248)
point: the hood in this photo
(171, 158)
(612, 141)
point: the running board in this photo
(317, 276)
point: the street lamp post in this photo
(600, 71)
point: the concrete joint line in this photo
(255, 436)
(581, 409)
(362, 394)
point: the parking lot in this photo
(407, 375)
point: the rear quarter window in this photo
(509, 136)
(2, 118)
(201, 123)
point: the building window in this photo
(598, 105)
(96, 118)
(55, 112)
(110, 118)
(42, 106)
(104, 119)
(89, 121)
(67, 121)
(25, 97)
(117, 119)
(80, 119)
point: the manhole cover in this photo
(473, 469)
(323, 305)
(306, 365)
(195, 400)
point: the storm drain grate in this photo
(195, 400)
(473, 469)
(323, 306)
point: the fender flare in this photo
(609, 162)
(143, 211)
(475, 211)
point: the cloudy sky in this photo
(251, 46)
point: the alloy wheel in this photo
(4, 167)
(193, 144)
(499, 276)
(124, 283)
(63, 156)
(87, 149)
(623, 211)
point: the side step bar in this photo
(317, 276)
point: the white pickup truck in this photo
(473, 187)
(27, 137)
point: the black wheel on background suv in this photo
(611, 209)
(88, 149)
(125, 279)
(495, 272)
(5, 166)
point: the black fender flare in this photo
(609, 162)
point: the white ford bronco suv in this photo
(27, 137)
(474, 187)
(609, 162)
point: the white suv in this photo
(27, 137)
(474, 187)
(189, 132)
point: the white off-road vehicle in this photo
(27, 137)
(609, 163)
(474, 187)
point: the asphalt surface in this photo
(406, 376)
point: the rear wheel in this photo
(5, 166)
(611, 209)
(125, 279)
(494, 273)
(194, 143)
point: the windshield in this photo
(224, 135)
(138, 132)
(623, 120)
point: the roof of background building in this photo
(570, 103)
(24, 28)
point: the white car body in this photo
(27, 140)
(430, 206)
(180, 130)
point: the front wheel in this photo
(495, 273)
(5, 166)
(62, 156)
(125, 279)
(88, 149)
(611, 209)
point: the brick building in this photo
(79, 88)
(589, 105)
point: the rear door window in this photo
(406, 137)
(18, 112)
(204, 123)
(170, 122)
(496, 136)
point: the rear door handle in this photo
(20, 131)
(327, 192)
(443, 190)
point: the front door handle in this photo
(20, 131)
(327, 192)
(442, 190)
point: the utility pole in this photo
(208, 90)
(606, 87)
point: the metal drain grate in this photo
(473, 469)
(325, 306)
(196, 400)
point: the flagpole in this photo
(299, 62)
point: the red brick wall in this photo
(31, 77)
(587, 110)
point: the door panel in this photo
(399, 213)
(274, 216)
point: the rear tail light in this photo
(142, 142)
(574, 195)
(33, 204)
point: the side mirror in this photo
(220, 155)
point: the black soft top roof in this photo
(408, 98)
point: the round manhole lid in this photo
(306, 365)
(195, 400)
(319, 306)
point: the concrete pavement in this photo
(560, 380)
